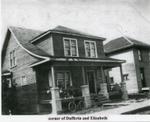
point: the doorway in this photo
(91, 81)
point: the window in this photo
(142, 77)
(8, 80)
(125, 77)
(13, 58)
(90, 49)
(63, 80)
(139, 55)
(70, 47)
(24, 80)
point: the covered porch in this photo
(74, 82)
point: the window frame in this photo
(13, 58)
(90, 41)
(23, 80)
(70, 78)
(77, 53)
(139, 55)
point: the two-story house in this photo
(136, 70)
(49, 68)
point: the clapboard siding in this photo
(26, 91)
(59, 46)
(145, 63)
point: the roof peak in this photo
(65, 30)
(71, 30)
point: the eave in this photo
(72, 34)
(56, 59)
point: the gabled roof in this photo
(123, 43)
(68, 31)
(24, 35)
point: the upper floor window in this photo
(13, 58)
(90, 49)
(70, 47)
(139, 55)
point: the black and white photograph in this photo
(78, 59)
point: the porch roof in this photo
(104, 60)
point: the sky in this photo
(105, 18)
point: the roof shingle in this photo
(66, 30)
(24, 35)
(122, 43)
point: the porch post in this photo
(83, 75)
(103, 85)
(123, 86)
(56, 102)
(53, 76)
(85, 91)
(86, 95)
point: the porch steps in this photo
(99, 99)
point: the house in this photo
(136, 70)
(48, 69)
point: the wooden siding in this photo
(45, 44)
(145, 63)
(25, 90)
(59, 46)
(23, 61)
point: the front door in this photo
(91, 81)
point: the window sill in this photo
(13, 67)
(90, 57)
(71, 56)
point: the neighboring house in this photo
(46, 68)
(136, 70)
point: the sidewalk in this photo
(124, 109)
